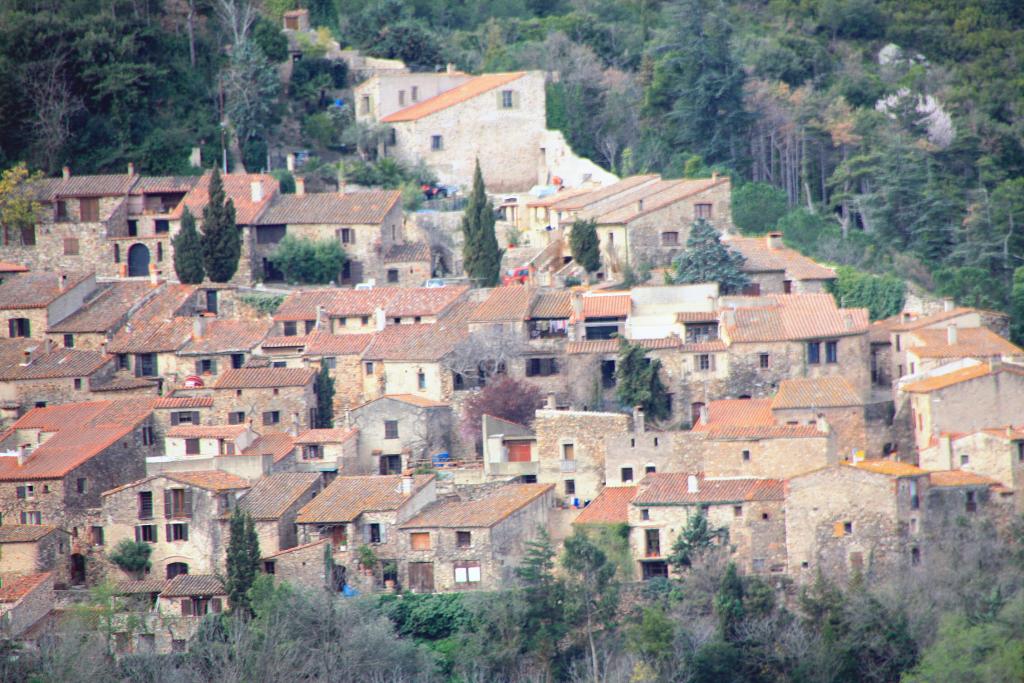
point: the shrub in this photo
(309, 262)
(267, 304)
(131, 556)
(757, 207)
(254, 154)
(882, 295)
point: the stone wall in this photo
(422, 432)
(20, 616)
(287, 401)
(303, 566)
(585, 433)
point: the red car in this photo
(517, 276)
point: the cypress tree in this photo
(324, 398)
(188, 252)
(584, 244)
(243, 561)
(481, 256)
(638, 381)
(222, 245)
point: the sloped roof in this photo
(59, 362)
(237, 188)
(122, 381)
(8, 267)
(673, 489)
(262, 378)
(274, 494)
(96, 185)
(24, 533)
(36, 289)
(457, 95)
(612, 345)
(971, 342)
(138, 586)
(552, 304)
(276, 444)
(411, 399)
(165, 184)
(326, 344)
(746, 418)
(610, 507)
(368, 207)
(559, 195)
(107, 309)
(606, 306)
(223, 336)
(178, 402)
(816, 392)
(421, 342)
(304, 546)
(953, 478)
(285, 341)
(483, 512)
(320, 436)
(193, 585)
(790, 317)
(157, 327)
(672, 192)
(396, 302)
(697, 317)
(211, 480)
(891, 468)
(414, 252)
(760, 257)
(576, 202)
(346, 498)
(898, 324)
(929, 384)
(505, 304)
(205, 431)
(18, 587)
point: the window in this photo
(652, 542)
(364, 104)
(147, 436)
(463, 539)
(645, 514)
(117, 253)
(368, 366)
(310, 326)
(32, 517)
(764, 361)
(271, 417)
(1020, 451)
(145, 365)
(964, 459)
(702, 211)
(162, 225)
(390, 429)
(419, 540)
(348, 236)
(329, 363)
(436, 143)
(971, 502)
(746, 456)
(97, 535)
(414, 93)
(176, 569)
(915, 557)
(71, 246)
(650, 469)
(81, 484)
(89, 209)
(177, 531)
(236, 418)
(915, 501)
(179, 645)
(467, 572)
(312, 452)
(813, 352)
(19, 327)
(847, 528)
(392, 275)
(26, 492)
(269, 567)
(60, 213)
(737, 510)
(185, 417)
(541, 367)
(570, 487)
(507, 99)
(206, 366)
(145, 504)
(670, 239)
(401, 98)
(78, 384)
(626, 474)
(191, 446)
(278, 364)
(421, 380)
(290, 328)
(831, 352)
(765, 516)
(177, 503)
(122, 362)
(568, 451)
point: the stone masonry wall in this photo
(586, 432)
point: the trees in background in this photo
(19, 209)
(222, 243)
(585, 245)
(188, 251)
(309, 262)
(638, 381)
(706, 259)
(481, 256)
(757, 207)
(882, 295)
(243, 561)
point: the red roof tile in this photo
(421, 342)
(212, 480)
(24, 533)
(950, 478)
(193, 585)
(7, 267)
(320, 436)
(277, 444)
(971, 342)
(237, 188)
(293, 341)
(273, 495)
(890, 468)
(612, 345)
(674, 489)
(106, 310)
(16, 588)
(156, 327)
(60, 362)
(396, 302)
(606, 306)
(738, 412)
(369, 207)
(816, 392)
(346, 498)
(36, 289)
(457, 95)
(791, 317)
(667, 193)
(304, 546)
(416, 252)
(262, 378)
(325, 344)
(96, 186)
(483, 512)
(576, 202)
(610, 507)
(177, 402)
(205, 431)
(760, 257)
(505, 304)
(972, 372)
(225, 336)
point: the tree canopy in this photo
(481, 256)
(706, 259)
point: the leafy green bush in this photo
(254, 155)
(428, 616)
(131, 556)
(267, 304)
(309, 262)
(969, 287)
(882, 295)
(270, 39)
(757, 207)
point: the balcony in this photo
(512, 469)
(567, 466)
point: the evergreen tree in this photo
(222, 244)
(593, 594)
(481, 256)
(1017, 307)
(323, 13)
(544, 622)
(696, 538)
(243, 561)
(585, 245)
(729, 603)
(188, 251)
(638, 381)
(706, 259)
(324, 398)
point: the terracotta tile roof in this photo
(411, 399)
(157, 327)
(606, 306)
(552, 304)
(16, 588)
(205, 431)
(561, 195)
(35, 289)
(122, 381)
(262, 378)
(285, 341)
(225, 336)
(697, 317)
(369, 207)
(304, 546)
(971, 342)
(505, 304)
(60, 362)
(612, 345)
(96, 186)
(673, 489)
(318, 436)
(610, 507)
(666, 195)
(951, 478)
(7, 267)
(107, 309)
(898, 324)
(211, 480)
(346, 498)
(762, 258)
(738, 412)
(24, 533)
(193, 585)
(274, 494)
(421, 342)
(237, 188)
(408, 253)
(277, 444)
(138, 586)
(1007, 433)
(177, 402)
(168, 184)
(972, 372)
(457, 95)
(82, 431)
(714, 346)
(326, 344)
(890, 468)
(580, 201)
(816, 392)
(483, 512)
(396, 302)
(791, 317)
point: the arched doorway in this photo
(77, 569)
(175, 568)
(138, 260)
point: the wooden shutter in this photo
(213, 368)
(184, 532)
(167, 503)
(711, 362)
(138, 535)
(215, 605)
(188, 502)
(199, 367)
(186, 607)
(167, 531)
(11, 328)
(195, 417)
(174, 419)
(383, 532)
(21, 492)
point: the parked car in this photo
(517, 276)
(434, 282)
(436, 191)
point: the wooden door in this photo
(421, 577)
(519, 451)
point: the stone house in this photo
(31, 302)
(24, 602)
(102, 315)
(455, 545)
(199, 447)
(970, 398)
(178, 515)
(330, 452)
(181, 606)
(384, 94)
(860, 428)
(774, 268)
(928, 349)
(276, 399)
(57, 460)
(752, 510)
(368, 224)
(996, 453)
(411, 264)
(27, 549)
(365, 512)
(559, 215)
(400, 431)
(509, 450)
(219, 345)
(172, 410)
(274, 502)
(342, 353)
(572, 449)
(304, 565)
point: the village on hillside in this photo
(420, 419)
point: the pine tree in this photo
(243, 561)
(638, 381)
(1017, 307)
(706, 259)
(324, 398)
(222, 244)
(188, 252)
(481, 256)
(585, 245)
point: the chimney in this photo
(63, 281)
(123, 270)
(319, 316)
(198, 327)
(773, 240)
(47, 345)
(848, 320)
(23, 452)
(692, 485)
(703, 415)
(66, 172)
(945, 451)
(131, 168)
(947, 305)
(348, 419)
(995, 364)
(823, 426)
(549, 402)
(256, 190)
(952, 335)
(154, 278)
(714, 176)
(379, 318)
(195, 159)
(639, 205)
(449, 68)
(639, 424)
(294, 428)
(300, 187)
(27, 354)
(906, 316)
(289, 161)
(729, 317)
(407, 483)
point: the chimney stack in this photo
(63, 281)
(549, 402)
(995, 364)
(952, 335)
(773, 240)
(300, 186)
(66, 172)
(198, 327)
(47, 345)
(639, 424)
(154, 279)
(714, 176)
(407, 483)
(947, 305)
(131, 168)
(256, 190)
(946, 451)
(692, 485)
(320, 316)
(704, 415)
(23, 453)
(449, 68)
(294, 428)
(289, 161)
(639, 205)
(380, 318)
(195, 159)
